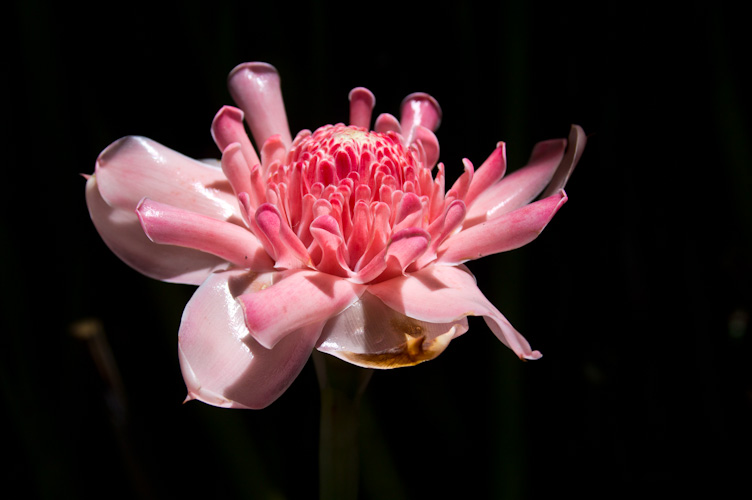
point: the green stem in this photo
(342, 386)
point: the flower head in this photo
(344, 239)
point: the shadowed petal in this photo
(504, 233)
(372, 335)
(297, 299)
(575, 148)
(222, 364)
(121, 231)
(442, 294)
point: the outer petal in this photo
(504, 233)
(122, 233)
(222, 364)
(372, 335)
(167, 225)
(297, 298)
(521, 186)
(442, 294)
(134, 168)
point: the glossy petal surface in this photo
(221, 362)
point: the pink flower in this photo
(340, 240)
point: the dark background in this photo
(638, 293)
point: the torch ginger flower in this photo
(340, 240)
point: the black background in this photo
(638, 293)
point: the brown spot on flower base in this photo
(403, 324)
(416, 349)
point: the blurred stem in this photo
(342, 386)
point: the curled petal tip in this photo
(255, 87)
(228, 110)
(253, 67)
(532, 356)
(420, 108)
(362, 102)
(362, 93)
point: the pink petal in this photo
(236, 169)
(520, 187)
(222, 364)
(133, 168)
(227, 128)
(167, 225)
(443, 294)
(273, 150)
(405, 247)
(488, 173)
(285, 246)
(462, 184)
(504, 233)
(299, 298)
(419, 109)
(122, 233)
(387, 123)
(372, 335)
(430, 145)
(255, 86)
(440, 229)
(333, 259)
(361, 107)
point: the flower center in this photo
(337, 152)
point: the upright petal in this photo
(133, 168)
(222, 364)
(255, 86)
(227, 128)
(420, 109)
(361, 107)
